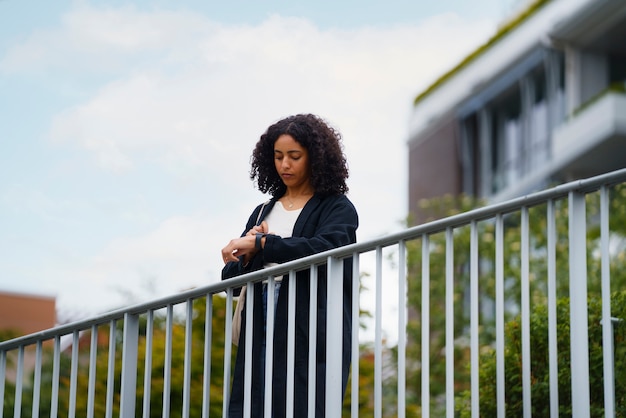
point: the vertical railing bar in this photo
(56, 366)
(147, 374)
(402, 318)
(378, 357)
(500, 374)
(37, 380)
(91, 387)
(291, 343)
(19, 381)
(111, 369)
(187, 359)
(474, 321)
(269, 344)
(167, 366)
(3, 371)
(74, 373)
(247, 374)
(128, 385)
(450, 323)
(425, 321)
(356, 306)
(552, 301)
(208, 341)
(313, 287)
(525, 283)
(334, 336)
(579, 342)
(607, 323)
(227, 353)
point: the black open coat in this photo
(325, 222)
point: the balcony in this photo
(484, 299)
(593, 140)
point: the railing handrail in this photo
(453, 221)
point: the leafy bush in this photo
(540, 373)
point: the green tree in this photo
(512, 253)
(540, 384)
(158, 353)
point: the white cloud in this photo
(183, 91)
(180, 253)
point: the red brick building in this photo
(26, 314)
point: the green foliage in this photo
(158, 356)
(539, 352)
(157, 372)
(512, 273)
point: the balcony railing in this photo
(456, 325)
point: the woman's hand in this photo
(262, 229)
(244, 246)
(239, 247)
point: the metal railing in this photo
(462, 293)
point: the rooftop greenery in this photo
(504, 30)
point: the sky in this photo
(126, 127)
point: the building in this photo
(25, 314)
(541, 103)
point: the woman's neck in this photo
(299, 192)
(295, 198)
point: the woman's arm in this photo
(239, 251)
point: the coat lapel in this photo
(307, 210)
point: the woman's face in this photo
(291, 161)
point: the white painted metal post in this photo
(525, 284)
(187, 360)
(474, 321)
(227, 352)
(607, 323)
(378, 329)
(356, 287)
(402, 318)
(425, 326)
(247, 373)
(128, 389)
(93, 356)
(334, 337)
(579, 342)
(208, 343)
(74, 374)
(19, 378)
(291, 344)
(147, 376)
(552, 323)
(110, 370)
(167, 364)
(449, 323)
(311, 395)
(269, 342)
(37, 381)
(500, 338)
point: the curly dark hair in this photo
(329, 168)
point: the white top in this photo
(281, 221)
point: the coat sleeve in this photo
(332, 224)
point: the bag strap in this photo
(258, 218)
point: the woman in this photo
(300, 162)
